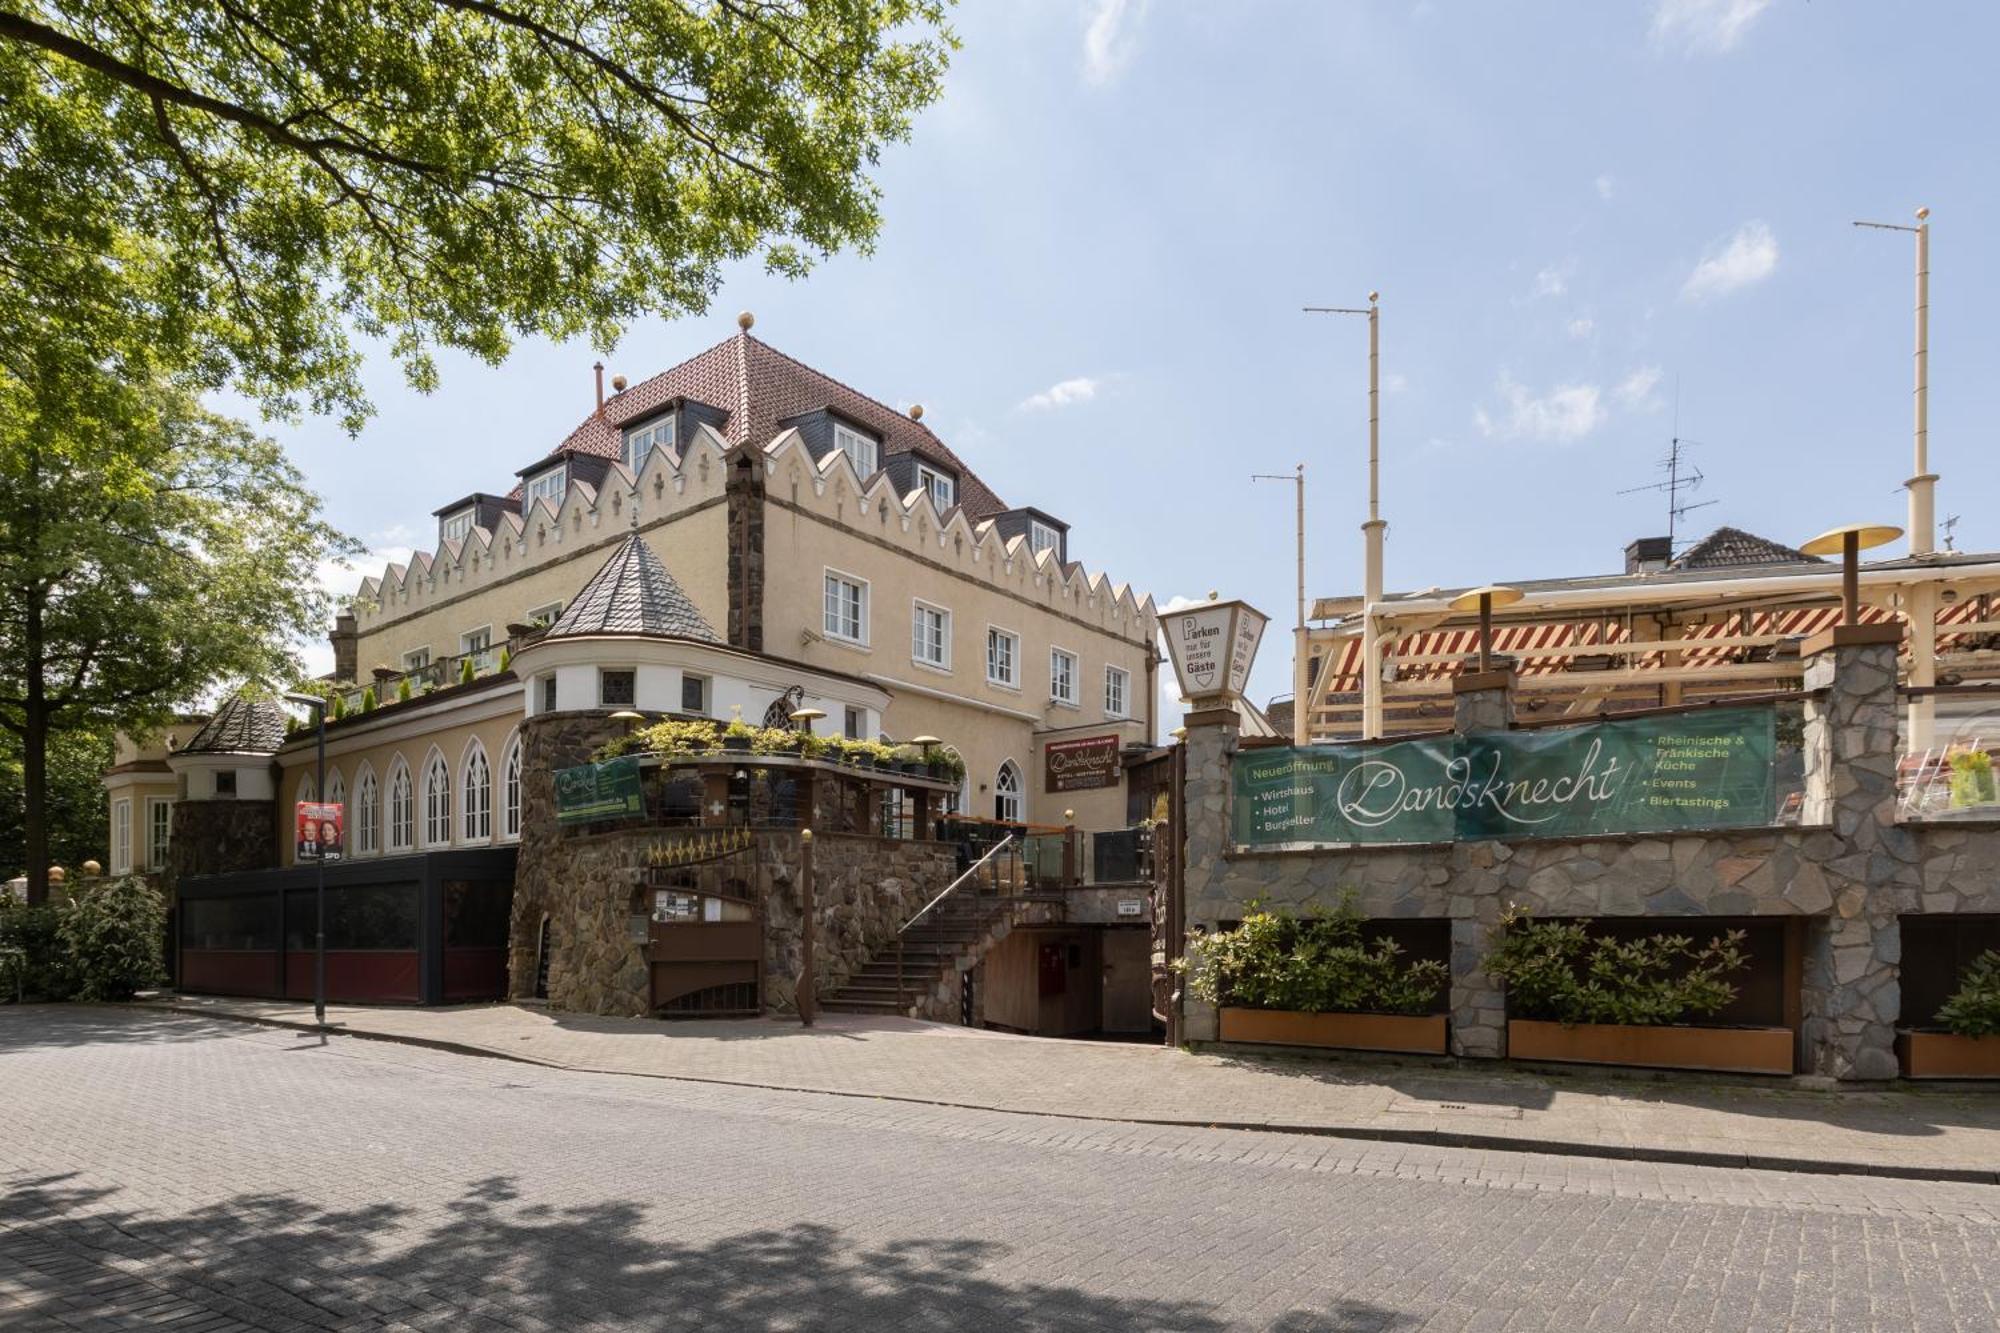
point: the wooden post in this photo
(806, 997)
(920, 817)
(715, 796)
(1069, 848)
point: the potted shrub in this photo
(1316, 981)
(947, 766)
(739, 735)
(1972, 779)
(368, 700)
(909, 759)
(1593, 999)
(1969, 1045)
(403, 690)
(467, 672)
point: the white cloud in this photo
(1554, 280)
(1062, 394)
(1582, 327)
(1394, 383)
(1109, 39)
(1607, 185)
(1709, 27)
(1563, 415)
(1746, 257)
(1636, 391)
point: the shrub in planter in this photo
(739, 735)
(403, 690)
(1557, 971)
(41, 970)
(670, 737)
(467, 672)
(1972, 778)
(1317, 964)
(113, 932)
(368, 700)
(1974, 1008)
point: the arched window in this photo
(307, 791)
(510, 791)
(367, 814)
(1007, 793)
(475, 800)
(402, 808)
(437, 802)
(336, 794)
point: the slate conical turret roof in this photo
(633, 594)
(240, 726)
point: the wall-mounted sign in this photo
(1212, 647)
(1131, 907)
(609, 790)
(1081, 764)
(317, 828)
(1644, 775)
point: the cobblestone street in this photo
(168, 1170)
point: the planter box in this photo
(1734, 1050)
(1947, 1055)
(1421, 1035)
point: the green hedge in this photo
(1316, 964)
(1558, 971)
(102, 941)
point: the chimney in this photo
(599, 368)
(346, 643)
(1649, 555)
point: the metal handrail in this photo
(952, 887)
(949, 889)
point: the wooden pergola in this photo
(1588, 645)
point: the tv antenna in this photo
(1949, 524)
(1683, 478)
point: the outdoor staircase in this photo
(950, 934)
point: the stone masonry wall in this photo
(1849, 871)
(864, 888)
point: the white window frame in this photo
(158, 841)
(1063, 683)
(475, 798)
(434, 812)
(367, 813)
(458, 526)
(547, 614)
(839, 633)
(510, 791)
(707, 693)
(336, 794)
(121, 836)
(402, 814)
(538, 487)
(920, 613)
(857, 445)
(1122, 706)
(1042, 537)
(1017, 794)
(943, 487)
(416, 659)
(1011, 680)
(642, 439)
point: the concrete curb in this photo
(1370, 1133)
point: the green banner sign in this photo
(1643, 775)
(609, 790)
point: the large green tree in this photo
(146, 551)
(234, 187)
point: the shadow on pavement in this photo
(66, 1249)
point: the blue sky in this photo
(1097, 244)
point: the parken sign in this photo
(1212, 647)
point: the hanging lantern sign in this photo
(1213, 646)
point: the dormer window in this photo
(548, 486)
(942, 486)
(456, 527)
(862, 450)
(1042, 537)
(641, 440)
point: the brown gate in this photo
(704, 901)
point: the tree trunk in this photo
(35, 758)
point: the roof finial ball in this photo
(916, 411)
(745, 320)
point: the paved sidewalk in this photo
(1920, 1134)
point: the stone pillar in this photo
(1478, 1006)
(1481, 701)
(1852, 988)
(1211, 742)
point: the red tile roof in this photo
(759, 386)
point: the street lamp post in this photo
(318, 705)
